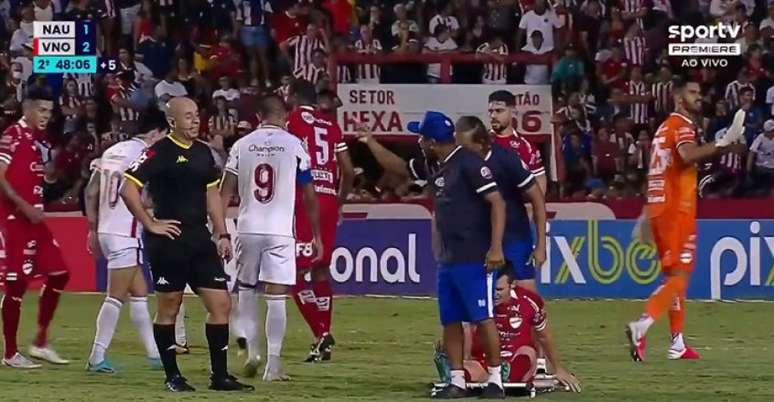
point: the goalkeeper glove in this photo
(735, 132)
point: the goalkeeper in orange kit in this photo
(670, 213)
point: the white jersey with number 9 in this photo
(267, 163)
(114, 216)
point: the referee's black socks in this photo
(165, 341)
(217, 338)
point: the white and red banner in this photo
(387, 109)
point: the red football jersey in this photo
(528, 154)
(19, 150)
(515, 319)
(323, 140)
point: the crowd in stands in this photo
(610, 76)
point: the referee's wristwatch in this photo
(226, 236)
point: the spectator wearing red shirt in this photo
(288, 24)
(341, 16)
(224, 60)
(612, 72)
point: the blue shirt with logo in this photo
(512, 177)
(462, 214)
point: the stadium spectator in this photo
(494, 73)
(536, 74)
(539, 18)
(734, 89)
(401, 18)
(288, 24)
(226, 91)
(252, 19)
(340, 16)
(367, 44)
(314, 38)
(155, 53)
(568, 71)
(606, 157)
(444, 17)
(167, 89)
(315, 71)
(441, 42)
(760, 160)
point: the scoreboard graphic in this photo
(62, 47)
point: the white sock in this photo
(276, 321)
(494, 376)
(645, 322)
(180, 337)
(107, 319)
(233, 320)
(247, 320)
(138, 311)
(458, 378)
(677, 342)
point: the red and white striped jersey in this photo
(85, 83)
(635, 48)
(343, 73)
(114, 216)
(494, 73)
(519, 145)
(368, 72)
(662, 97)
(732, 93)
(633, 6)
(310, 73)
(124, 113)
(303, 47)
(730, 162)
(639, 110)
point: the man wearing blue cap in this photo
(470, 219)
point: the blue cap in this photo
(435, 126)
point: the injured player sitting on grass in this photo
(517, 312)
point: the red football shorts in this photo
(30, 250)
(675, 238)
(329, 218)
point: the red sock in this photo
(305, 299)
(11, 311)
(324, 295)
(49, 300)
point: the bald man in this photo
(182, 179)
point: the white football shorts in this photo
(121, 251)
(265, 258)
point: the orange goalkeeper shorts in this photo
(675, 237)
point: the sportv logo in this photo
(688, 34)
(746, 258)
(390, 266)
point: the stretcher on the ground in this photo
(540, 385)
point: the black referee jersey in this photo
(177, 176)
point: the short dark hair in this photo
(327, 93)
(503, 96)
(679, 83)
(439, 29)
(39, 93)
(745, 90)
(153, 119)
(271, 104)
(304, 91)
(506, 271)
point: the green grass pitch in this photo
(384, 354)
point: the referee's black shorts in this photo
(191, 259)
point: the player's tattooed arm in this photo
(347, 179)
(35, 215)
(535, 196)
(546, 341)
(91, 204)
(495, 258)
(311, 206)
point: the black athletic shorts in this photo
(191, 259)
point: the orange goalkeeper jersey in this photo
(671, 182)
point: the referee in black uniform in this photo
(182, 179)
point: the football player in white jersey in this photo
(265, 167)
(117, 235)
